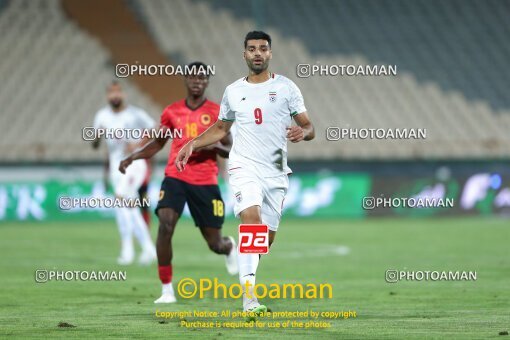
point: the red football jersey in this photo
(201, 168)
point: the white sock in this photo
(248, 264)
(126, 233)
(167, 289)
(140, 229)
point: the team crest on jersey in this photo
(272, 96)
(239, 197)
(205, 119)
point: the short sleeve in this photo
(165, 119)
(226, 114)
(144, 120)
(296, 101)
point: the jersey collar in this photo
(271, 76)
(196, 108)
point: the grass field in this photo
(351, 255)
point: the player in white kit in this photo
(262, 105)
(119, 115)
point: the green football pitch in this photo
(351, 255)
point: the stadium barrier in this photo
(319, 194)
(309, 194)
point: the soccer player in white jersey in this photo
(119, 115)
(262, 105)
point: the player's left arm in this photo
(97, 124)
(304, 129)
(106, 173)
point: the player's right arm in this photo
(97, 124)
(147, 151)
(95, 143)
(215, 133)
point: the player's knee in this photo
(167, 222)
(251, 216)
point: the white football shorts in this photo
(127, 185)
(251, 189)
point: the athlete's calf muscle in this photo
(272, 235)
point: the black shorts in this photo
(204, 201)
(143, 193)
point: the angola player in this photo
(198, 185)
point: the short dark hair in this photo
(198, 65)
(256, 35)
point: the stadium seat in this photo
(55, 73)
(451, 108)
(451, 77)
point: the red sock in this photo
(165, 274)
(147, 217)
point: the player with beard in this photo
(197, 186)
(119, 115)
(263, 105)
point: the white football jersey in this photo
(262, 113)
(131, 117)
